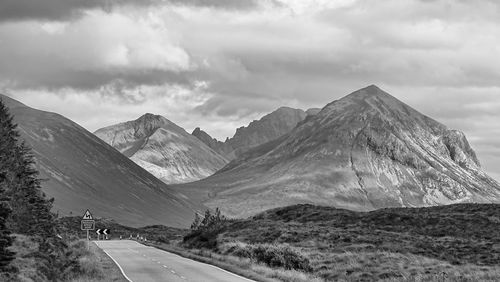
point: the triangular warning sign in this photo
(87, 215)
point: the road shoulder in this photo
(109, 266)
(231, 268)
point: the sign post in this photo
(87, 224)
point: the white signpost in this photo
(87, 224)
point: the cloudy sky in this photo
(219, 64)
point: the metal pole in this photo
(88, 241)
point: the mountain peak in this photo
(151, 122)
(369, 92)
(150, 117)
(196, 131)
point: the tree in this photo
(32, 215)
(8, 136)
(24, 208)
(196, 222)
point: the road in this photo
(141, 263)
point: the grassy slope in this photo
(446, 243)
(93, 264)
(456, 242)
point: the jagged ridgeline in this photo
(24, 210)
(365, 151)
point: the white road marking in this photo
(213, 266)
(181, 257)
(121, 269)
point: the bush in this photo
(204, 231)
(163, 240)
(282, 256)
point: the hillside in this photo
(163, 148)
(365, 151)
(81, 172)
(447, 243)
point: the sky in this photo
(219, 64)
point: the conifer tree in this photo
(25, 207)
(8, 137)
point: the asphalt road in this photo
(141, 263)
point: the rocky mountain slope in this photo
(269, 127)
(81, 172)
(365, 151)
(163, 148)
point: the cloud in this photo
(91, 52)
(254, 56)
(67, 10)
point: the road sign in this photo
(87, 215)
(88, 224)
(102, 231)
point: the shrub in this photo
(282, 256)
(163, 240)
(204, 231)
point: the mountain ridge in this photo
(81, 172)
(364, 151)
(163, 148)
(257, 132)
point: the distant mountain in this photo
(269, 127)
(163, 148)
(81, 172)
(365, 151)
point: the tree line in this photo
(24, 208)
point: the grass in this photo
(95, 265)
(447, 243)
(434, 244)
(25, 247)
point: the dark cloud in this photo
(18, 10)
(219, 4)
(61, 10)
(91, 80)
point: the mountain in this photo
(365, 151)
(81, 172)
(163, 148)
(312, 111)
(269, 127)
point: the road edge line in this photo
(121, 269)
(214, 266)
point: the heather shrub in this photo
(272, 255)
